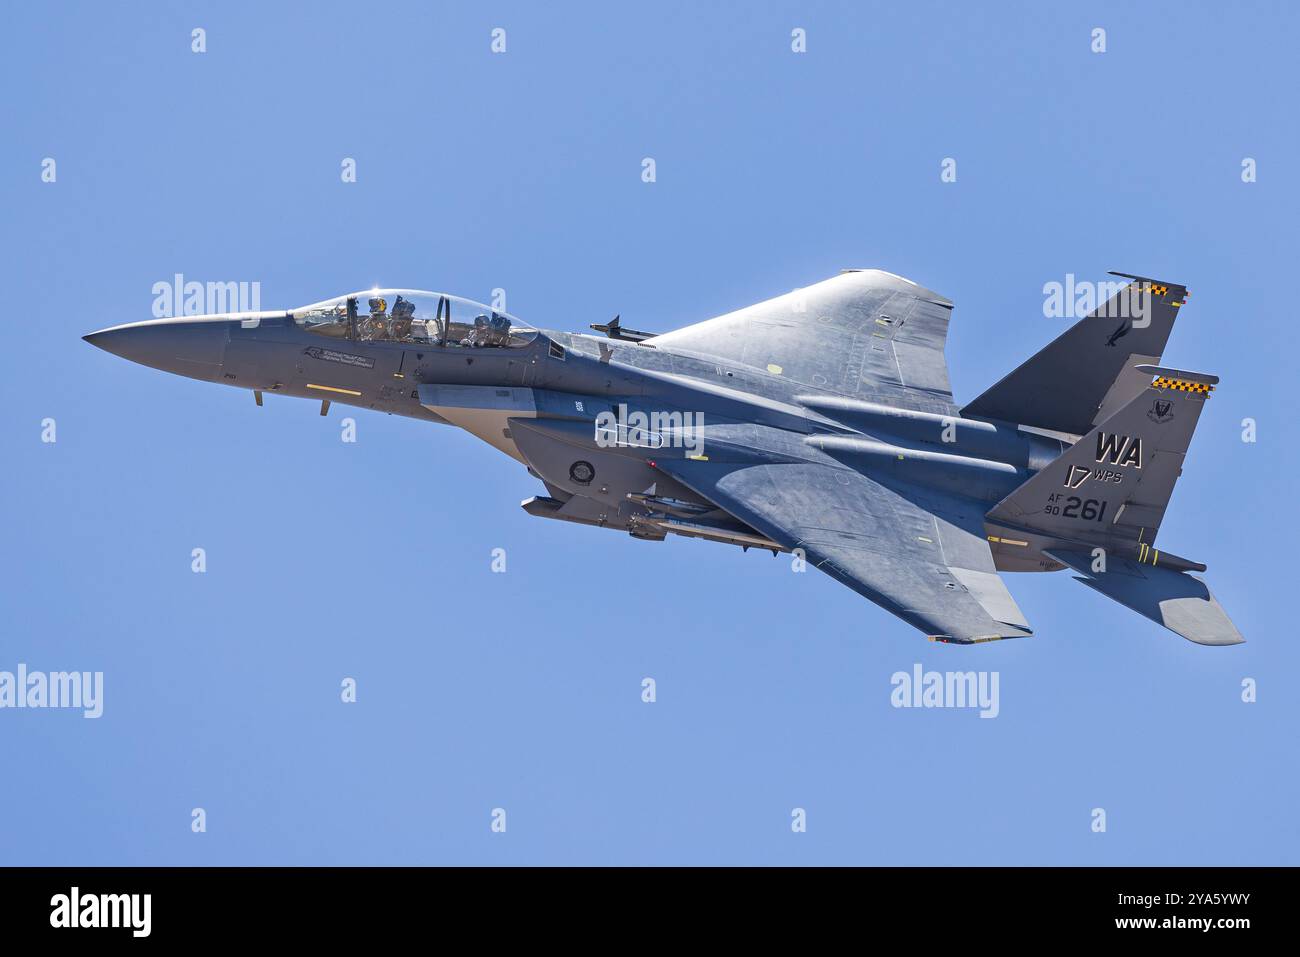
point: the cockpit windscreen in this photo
(414, 316)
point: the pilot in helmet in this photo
(403, 311)
(479, 334)
(377, 327)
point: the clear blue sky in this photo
(522, 691)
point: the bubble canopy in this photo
(415, 316)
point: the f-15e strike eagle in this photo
(820, 422)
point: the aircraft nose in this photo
(188, 347)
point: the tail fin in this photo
(1096, 359)
(1103, 500)
(1111, 488)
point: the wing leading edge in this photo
(925, 560)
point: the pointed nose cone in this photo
(188, 347)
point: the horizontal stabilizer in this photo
(1181, 602)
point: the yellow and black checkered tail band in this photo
(1161, 291)
(1174, 296)
(1182, 385)
(1168, 292)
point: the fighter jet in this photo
(820, 423)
